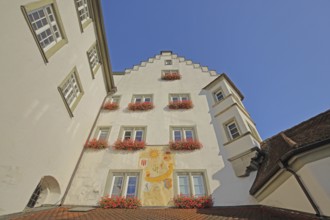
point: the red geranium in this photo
(140, 106)
(129, 144)
(96, 144)
(191, 202)
(185, 104)
(185, 145)
(110, 106)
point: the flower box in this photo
(141, 106)
(119, 202)
(191, 202)
(185, 104)
(129, 145)
(171, 76)
(185, 145)
(110, 106)
(96, 144)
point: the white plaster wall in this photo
(316, 178)
(289, 196)
(227, 189)
(38, 137)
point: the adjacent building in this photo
(55, 75)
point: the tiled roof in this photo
(237, 213)
(303, 137)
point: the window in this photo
(45, 23)
(93, 59)
(142, 98)
(179, 97)
(168, 62)
(232, 130)
(218, 95)
(83, 13)
(134, 133)
(124, 184)
(71, 90)
(191, 183)
(183, 133)
(103, 133)
(115, 99)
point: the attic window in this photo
(168, 62)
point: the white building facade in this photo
(55, 75)
(156, 174)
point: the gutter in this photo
(83, 150)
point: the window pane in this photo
(219, 95)
(147, 99)
(184, 185)
(103, 134)
(177, 135)
(189, 135)
(115, 100)
(117, 186)
(131, 186)
(138, 100)
(139, 135)
(198, 185)
(175, 98)
(233, 130)
(184, 98)
(127, 135)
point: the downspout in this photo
(286, 167)
(83, 150)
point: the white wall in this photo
(38, 137)
(227, 189)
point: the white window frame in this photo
(103, 130)
(215, 94)
(115, 99)
(133, 131)
(190, 174)
(180, 97)
(93, 59)
(183, 133)
(142, 97)
(45, 24)
(83, 8)
(71, 85)
(126, 175)
(229, 130)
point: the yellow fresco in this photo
(157, 184)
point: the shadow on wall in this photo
(232, 190)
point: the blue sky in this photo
(276, 52)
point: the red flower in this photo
(185, 145)
(129, 144)
(185, 104)
(141, 106)
(191, 202)
(110, 106)
(96, 144)
(171, 76)
(119, 202)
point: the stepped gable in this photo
(173, 56)
(303, 137)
